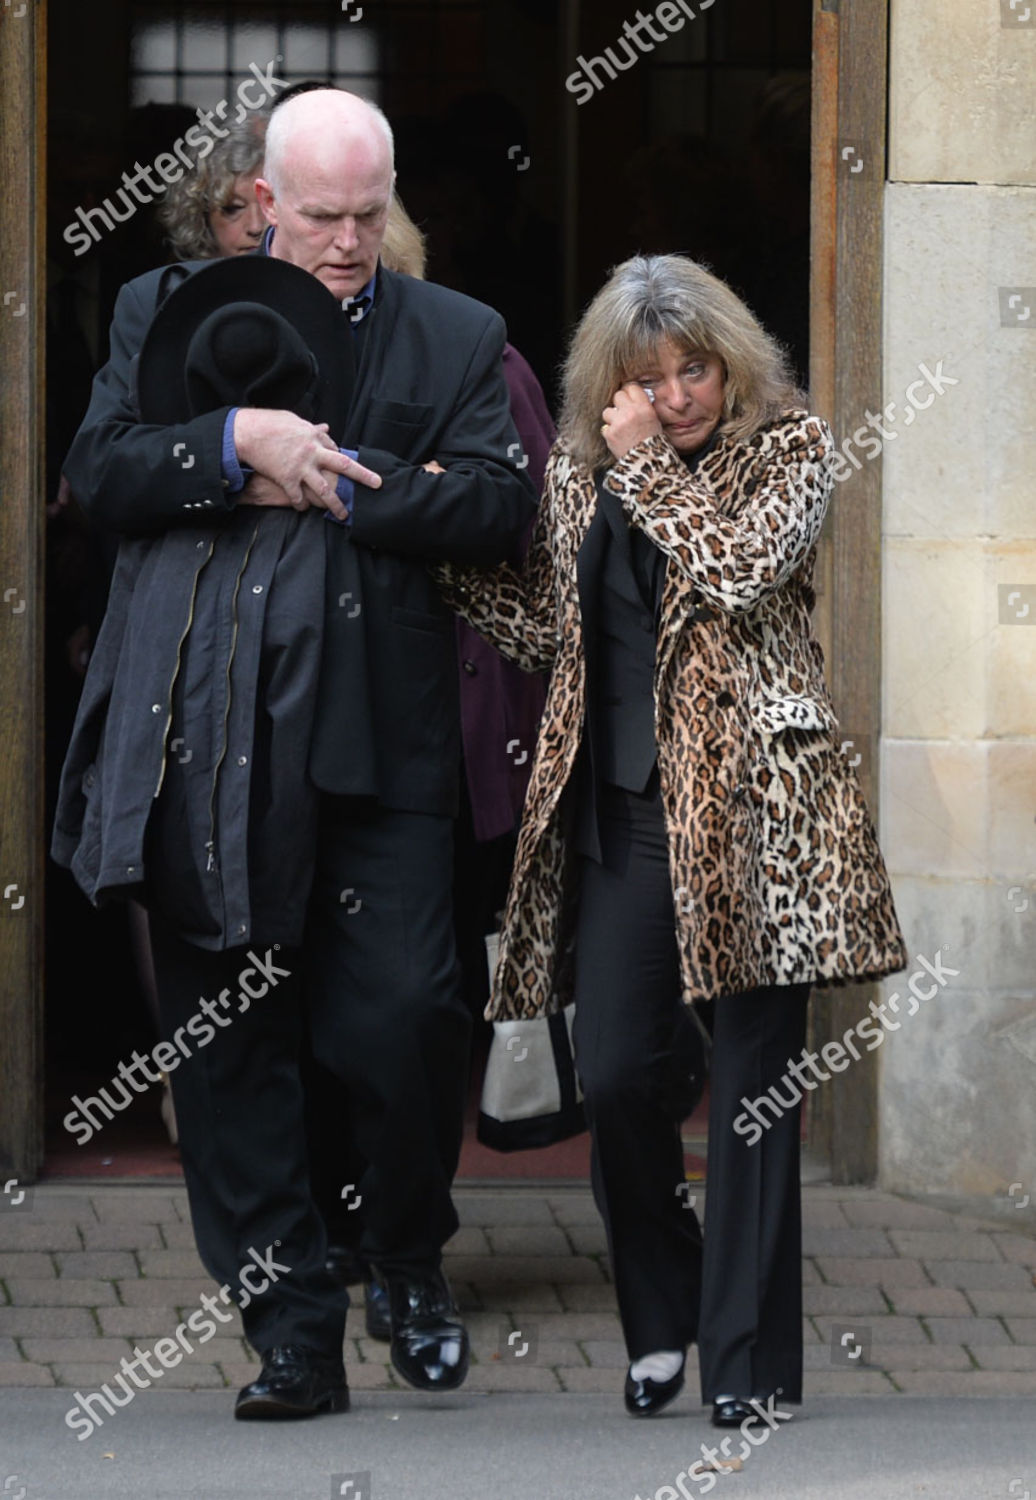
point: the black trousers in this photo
(375, 991)
(739, 1296)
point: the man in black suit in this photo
(360, 937)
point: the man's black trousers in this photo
(376, 985)
(740, 1296)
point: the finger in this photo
(357, 472)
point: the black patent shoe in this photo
(376, 1308)
(294, 1382)
(429, 1343)
(731, 1411)
(646, 1397)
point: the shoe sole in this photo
(269, 1409)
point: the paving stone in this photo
(191, 1374)
(846, 1242)
(543, 1354)
(923, 1244)
(175, 1236)
(609, 1354)
(979, 1275)
(971, 1383)
(930, 1301)
(26, 1232)
(845, 1271)
(1019, 1248)
(511, 1377)
(140, 1324)
(1006, 1357)
(970, 1331)
(517, 1209)
(588, 1298)
(591, 1380)
(809, 1333)
(61, 1291)
(104, 1263)
(557, 1269)
(55, 1205)
(123, 1205)
(1022, 1330)
(887, 1329)
(833, 1382)
(23, 1373)
(469, 1240)
(579, 1326)
(516, 1297)
(467, 1297)
(9, 1351)
(997, 1304)
(157, 1291)
(372, 1377)
(588, 1239)
(32, 1263)
(47, 1322)
(540, 1240)
(849, 1301)
(895, 1213)
(919, 1357)
(117, 1235)
(76, 1351)
(573, 1209)
(171, 1263)
(823, 1213)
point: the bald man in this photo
(331, 912)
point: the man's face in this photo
(331, 213)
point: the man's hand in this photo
(433, 468)
(631, 420)
(300, 459)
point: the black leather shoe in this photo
(376, 1308)
(344, 1262)
(645, 1397)
(294, 1382)
(429, 1343)
(732, 1411)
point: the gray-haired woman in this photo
(213, 211)
(692, 831)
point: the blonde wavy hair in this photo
(403, 248)
(651, 299)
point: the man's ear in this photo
(267, 202)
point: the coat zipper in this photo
(176, 669)
(211, 864)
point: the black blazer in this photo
(429, 386)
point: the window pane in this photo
(356, 51)
(154, 47)
(253, 44)
(305, 51)
(204, 46)
(157, 89)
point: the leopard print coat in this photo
(776, 873)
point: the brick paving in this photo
(899, 1296)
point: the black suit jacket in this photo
(429, 386)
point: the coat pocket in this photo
(779, 711)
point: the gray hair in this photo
(185, 209)
(653, 299)
(282, 123)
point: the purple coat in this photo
(500, 705)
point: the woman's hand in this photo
(631, 420)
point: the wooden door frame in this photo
(850, 90)
(23, 59)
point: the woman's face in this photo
(688, 390)
(237, 223)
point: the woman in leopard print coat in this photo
(692, 830)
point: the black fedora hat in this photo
(247, 331)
